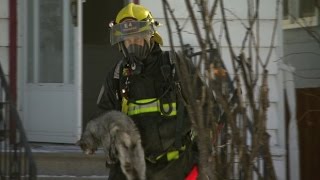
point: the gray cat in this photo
(120, 139)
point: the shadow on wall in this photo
(98, 55)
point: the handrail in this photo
(16, 161)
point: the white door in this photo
(51, 100)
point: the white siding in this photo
(4, 13)
(4, 34)
(272, 66)
(4, 59)
(238, 8)
(237, 20)
(237, 30)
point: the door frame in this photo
(308, 104)
(22, 64)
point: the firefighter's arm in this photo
(108, 96)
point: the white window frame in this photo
(291, 22)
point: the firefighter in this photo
(143, 84)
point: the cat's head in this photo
(88, 144)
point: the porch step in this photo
(67, 162)
(44, 177)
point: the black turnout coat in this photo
(158, 131)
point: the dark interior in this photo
(98, 55)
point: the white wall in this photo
(4, 34)
(302, 52)
(236, 19)
(4, 37)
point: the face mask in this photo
(140, 52)
(136, 55)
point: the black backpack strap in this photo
(180, 101)
(117, 74)
(166, 67)
(180, 122)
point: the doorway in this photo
(308, 116)
(98, 55)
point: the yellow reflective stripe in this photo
(124, 106)
(172, 155)
(133, 106)
(148, 110)
(142, 110)
(159, 157)
(134, 109)
(166, 106)
(145, 100)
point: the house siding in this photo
(4, 34)
(302, 52)
(236, 21)
(4, 39)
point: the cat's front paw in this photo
(89, 151)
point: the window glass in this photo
(50, 41)
(30, 46)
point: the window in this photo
(299, 13)
(50, 42)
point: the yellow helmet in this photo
(139, 13)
